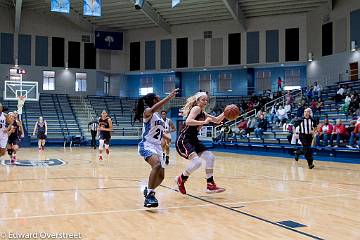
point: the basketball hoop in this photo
(20, 105)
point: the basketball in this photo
(231, 112)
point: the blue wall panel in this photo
(7, 48)
(165, 54)
(355, 26)
(150, 51)
(41, 51)
(24, 50)
(272, 46)
(252, 47)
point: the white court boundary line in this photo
(166, 208)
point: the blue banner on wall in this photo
(109, 40)
(92, 8)
(62, 6)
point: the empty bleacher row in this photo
(57, 112)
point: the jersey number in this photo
(158, 134)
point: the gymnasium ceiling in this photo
(121, 14)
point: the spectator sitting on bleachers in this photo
(355, 135)
(243, 105)
(251, 125)
(339, 95)
(287, 108)
(300, 110)
(345, 107)
(271, 114)
(289, 98)
(316, 90)
(339, 132)
(357, 111)
(354, 103)
(261, 112)
(324, 132)
(309, 93)
(261, 126)
(290, 128)
(242, 126)
(313, 105)
(281, 116)
(249, 106)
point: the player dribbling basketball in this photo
(189, 146)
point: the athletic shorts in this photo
(41, 136)
(106, 137)
(146, 150)
(185, 146)
(3, 142)
(14, 141)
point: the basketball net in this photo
(20, 105)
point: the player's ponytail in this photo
(139, 110)
(148, 99)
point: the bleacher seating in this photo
(276, 138)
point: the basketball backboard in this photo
(14, 89)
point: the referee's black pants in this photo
(306, 140)
(93, 138)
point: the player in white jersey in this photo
(3, 132)
(166, 141)
(150, 146)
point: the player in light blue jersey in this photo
(150, 146)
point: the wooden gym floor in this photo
(103, 200)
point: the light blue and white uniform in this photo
(167, 128)
(153, 129)
(3, 131)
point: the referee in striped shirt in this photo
(306, 125)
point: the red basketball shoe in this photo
(180, 184)
(212, 188)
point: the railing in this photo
(281, 100)
(83, 102)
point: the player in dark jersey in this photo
(104, 131)
(14, 136)
(41, 130)
(189, 146)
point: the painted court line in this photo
(104, 212)
(252, 216)
(293, 199)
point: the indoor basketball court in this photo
(172, 119)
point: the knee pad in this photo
(101, 144)
(106, 146)
(193, 165)
(209, 159)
